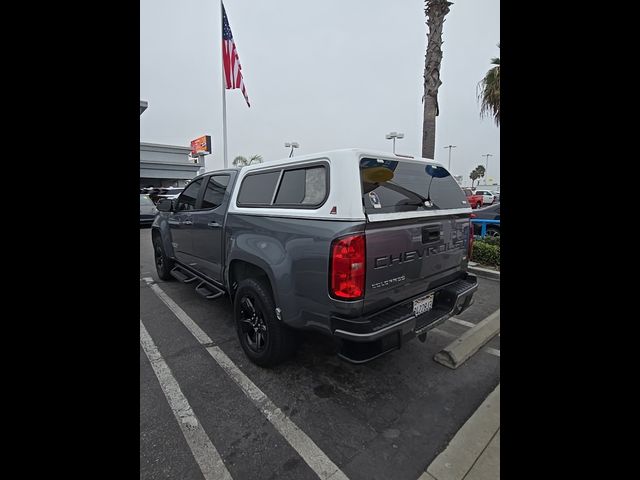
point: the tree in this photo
(474, 176)
(240, 161)
(435, 11)
(488, 92)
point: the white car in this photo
(487, 197)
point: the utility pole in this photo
(450, 147)
(486, 169)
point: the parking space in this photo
(386, 419)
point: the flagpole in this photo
(224, 94)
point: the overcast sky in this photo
(330, 74)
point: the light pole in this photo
(486, 169)
(292, 145)
(450, 147)
(394, 135)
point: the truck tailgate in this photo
(407, 257)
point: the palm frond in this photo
(488, 92)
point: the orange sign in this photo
(201, 145)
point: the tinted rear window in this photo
(258, 188)
(304, 186)
(398, 186)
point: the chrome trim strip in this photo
(377, 332)
(383, 217)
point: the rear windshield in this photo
(397, 186)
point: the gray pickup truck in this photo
(368, 247)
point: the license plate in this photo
(422, 305)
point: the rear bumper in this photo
(365, 338)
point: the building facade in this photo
(166, 165)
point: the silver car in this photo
(147, 210)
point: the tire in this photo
(264, 338)
(478, 205)
(164, 264)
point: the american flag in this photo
(232, 68)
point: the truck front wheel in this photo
(163, 263)
(264, 338)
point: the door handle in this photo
(213, 224)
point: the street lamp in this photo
(486, 169)
(393, 136)
(450, 147)
(292, 145)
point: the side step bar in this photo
(183, 275)
(209, 291)
(204, 288)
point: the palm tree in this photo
(488, 92)
(474, 175)
(240, 161)
(435, 10)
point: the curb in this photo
(462, 348)
(474, 450)
(485, 272)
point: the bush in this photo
(490, 240)
(486, 252)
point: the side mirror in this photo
(165, 205)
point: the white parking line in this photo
(462, 322)
(319, 462)
(195, 330)
(203, 451)
(299, 440)
(492, 351)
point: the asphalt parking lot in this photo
(385, 419)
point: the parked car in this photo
(369, 248)
(491, 212)
(487, 197)
(147, 210)
(497, 195)
(152, 192)
(475, 201)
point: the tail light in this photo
(473, 215)
(348, 268)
